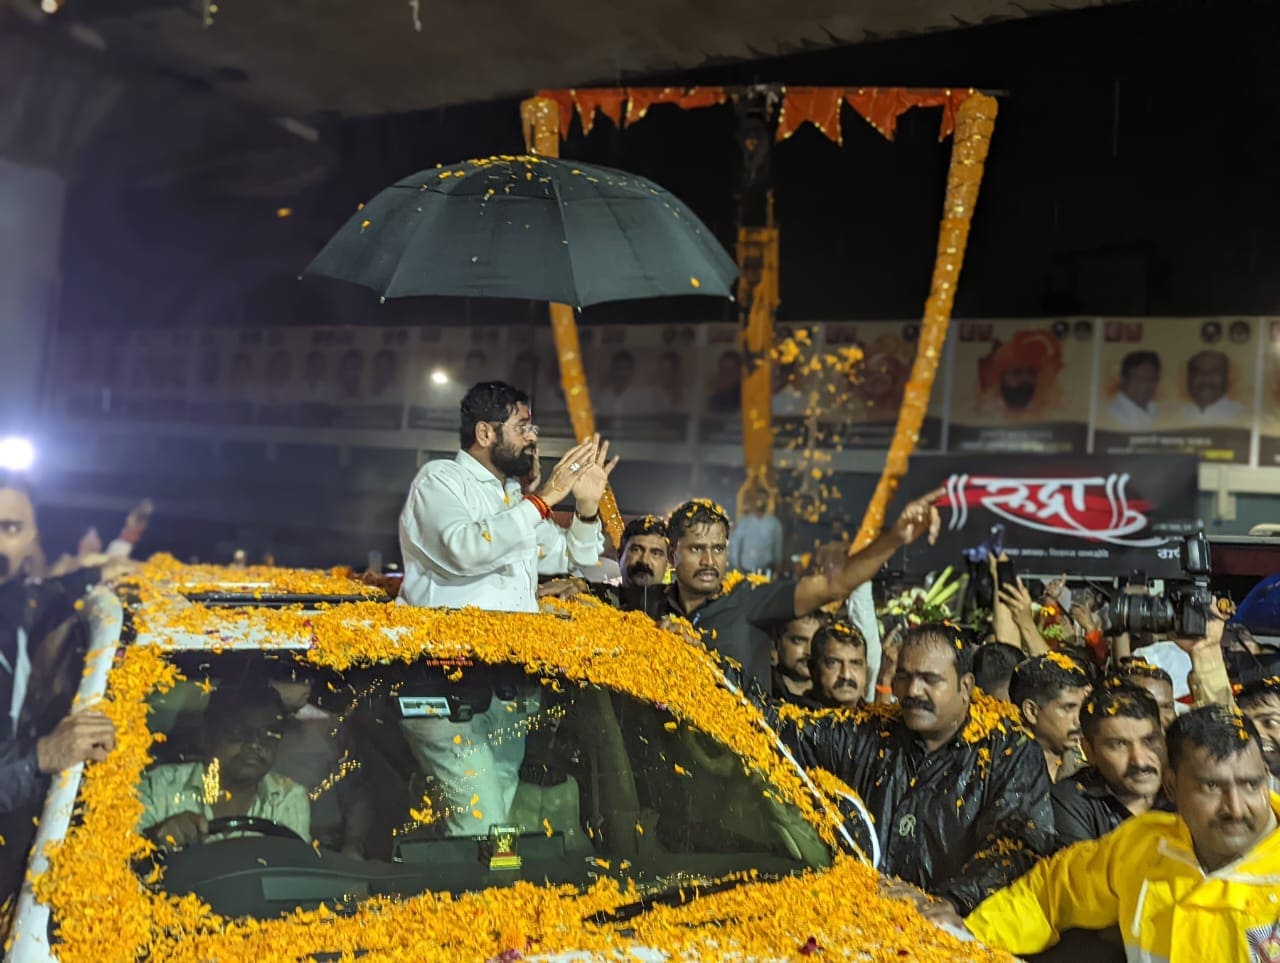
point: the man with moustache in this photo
(41, 660)
(792, 679)
(1049, 690)
(470, 536)
(1209, 386)
(838, 667)
(737, 623)
(1125, 747)
(958, 790)
(1193, 886)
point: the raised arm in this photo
(920, 517)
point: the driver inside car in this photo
(242, 726)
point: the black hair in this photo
(1117, 701)
(1259, 691)
(1043, 678)
(951, 636)
(230, 700)
(700, 511)
(993, 665)
(491, 401)
(779, 629)
(1222, 731)
(1135, 359)
(833, 633)
(18, 481)
(644, 525)
(1133, 667)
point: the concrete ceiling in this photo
(362, 57)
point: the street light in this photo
(16, 454)
(439, 377)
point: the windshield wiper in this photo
(675, 895)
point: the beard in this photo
(797, 672)
(1018, 396)
(514, 462)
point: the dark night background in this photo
(1131, 173)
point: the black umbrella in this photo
(528, 227)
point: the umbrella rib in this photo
(564, 237)
(635, 255)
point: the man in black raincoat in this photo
(957, 788)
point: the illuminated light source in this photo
(439, 377)
(16, 454)
(283, 212)
(50, 6)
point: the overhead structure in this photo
(967, 113)
(389, 56)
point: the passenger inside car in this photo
(242, 729)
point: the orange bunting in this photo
(882, 106)
(608, 100)
(819, 106)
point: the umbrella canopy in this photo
(528, 227)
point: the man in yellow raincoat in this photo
(1200, 885)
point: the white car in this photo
(301, 775)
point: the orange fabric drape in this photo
(542, 125)
(975, 121)
(610, 101)
(819, 106)
(882, 106)
(626, 105)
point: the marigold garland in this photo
(104, 912)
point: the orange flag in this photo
(882, 106)
(609, 100)
(819, 106)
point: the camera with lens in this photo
(1185, 609)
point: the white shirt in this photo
(176, 788)
(469, 539)
(1224, 411)
(1127, 413)
(1173, 659)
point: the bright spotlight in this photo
(16, 454)
(439, 377)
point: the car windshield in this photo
(278, 786)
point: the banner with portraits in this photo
(862, 410)
(1177, 385)
(1269, 405)
(1015, 386)
(1058, 386)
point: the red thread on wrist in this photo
(885, 689)
(543, 508)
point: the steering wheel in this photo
(250, 824)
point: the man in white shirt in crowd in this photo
(756, 542)
(471, 536)
(1208, 384)
(1134, 405)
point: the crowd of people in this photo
(1023, 782)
